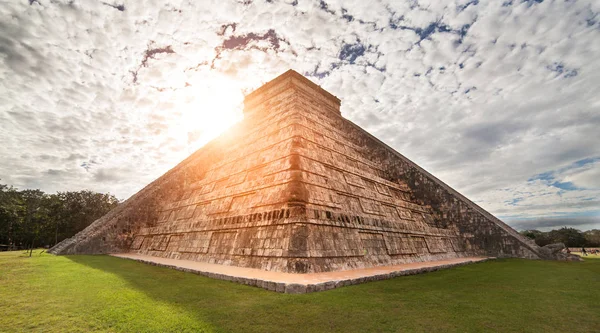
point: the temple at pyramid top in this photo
(290, 80)
(299, 189)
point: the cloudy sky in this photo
(499, 99)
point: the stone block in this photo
(294, 288)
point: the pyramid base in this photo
(291, 283)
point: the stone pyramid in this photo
(297, 188)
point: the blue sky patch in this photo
(350, 52)
(560, 70)
(514, 201)
(567, 186)
(550, 177)
(585, 161)
(543, 176)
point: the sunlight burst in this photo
(215, 105)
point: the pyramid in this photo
(297, 188)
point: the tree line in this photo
(569, 236)
(32, 218)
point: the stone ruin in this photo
(297, 188)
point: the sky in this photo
(499, 99)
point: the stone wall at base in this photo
(356, 277)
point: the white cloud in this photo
(484, 95)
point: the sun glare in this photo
(215, 106)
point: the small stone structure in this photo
(297, 188)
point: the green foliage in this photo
(11, 214)
(32, 217)
(531, 234)
(569, 236)
(48, 293)
(592, 238)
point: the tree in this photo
(80, 209)
(32, 218)
(592, 238)
(569, 236)
(531, 234)
(10, 214)
(541, 238)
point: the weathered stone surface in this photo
(556, 251)
(554, 248)
(280, 287)
(297, 188)
(294, 288)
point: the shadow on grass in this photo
(501, 295)
(223, 305)
(380, 306)
(34, 253)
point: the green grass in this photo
(48, 293)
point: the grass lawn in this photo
(49, 293)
